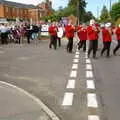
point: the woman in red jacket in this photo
(117, 32)
(107, 39)
(82, 34)
(69, 30)
(92, 32)
(53, 35)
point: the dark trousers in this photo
(59, 41)
(82, 44)
(4, 37)
(106, 48)
(53, 41)
(117, 47)
(70, 45)
(93, 45)
(28, 39)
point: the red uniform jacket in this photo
(107, 36)
(92, 32)
(69, 30)
(79, 27)
(117, 32)
(82, 34)
(53, 30)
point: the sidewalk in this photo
(15, 105)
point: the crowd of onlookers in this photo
(17, 33)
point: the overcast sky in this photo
(93, 5)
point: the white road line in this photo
(71, 84)
(89, 74)
(77, 56)
(90, 84)
(76, 60)
(88, 67)
(73, 74)
(68, 99)
(88, 61)
(92, 100)
(38, 101)
(93, 117)
(77, 53)
(75, 66)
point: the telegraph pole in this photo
(78, 12)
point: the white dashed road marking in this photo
(92, 100)
(75, 66)
(93, 117)
(71, 84)
(88, 67)
(68, 99)
(90, 84)
(73, 74)
(76, 60)
(89, 74)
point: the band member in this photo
(82, 34)
(69, 30)
(107, 39)
(53, 35)
(92, 32)
(60, 34)
(117, 32)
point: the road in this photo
(71, 85)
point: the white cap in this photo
(92, 21)
(107, 25)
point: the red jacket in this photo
(69, 30)
(82, 34)
(53, 30)
(92, 33)
(117, 32)
(107, 36)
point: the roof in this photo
(19, 5)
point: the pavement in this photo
(16, 105)
(70, 86)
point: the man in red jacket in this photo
(92, 32)
(69, 30)
(117, 32)
(82, 34)
(107, 39)
(53, 35)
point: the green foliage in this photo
(115, 12)
(104, 15)
(71, 9)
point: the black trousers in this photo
(70, 45)
(81, 44)
(53, 41)
(59, 41)
(28, 39)
(106, 48)
(117, 47)
(93, 46)
(4, 37)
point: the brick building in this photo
(13, 10)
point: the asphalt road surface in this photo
(71, 85)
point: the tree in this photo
(104, 15)
(115, 12)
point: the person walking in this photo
(107, 39)
(117, 32)
(92, 33)
(69, 30)
(53, 35)
(82, 35)
(60, 34)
